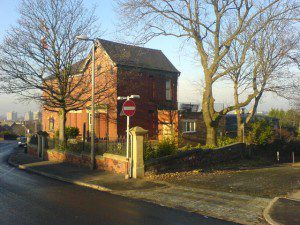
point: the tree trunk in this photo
(240, 128)
(239, 119)
(208, 115)
(62, 125)
(211, 136)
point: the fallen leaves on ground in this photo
(181, 175)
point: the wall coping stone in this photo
(68, 152)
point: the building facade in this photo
(37, 116)
(28, 116)
(134, 71)
(12, 116)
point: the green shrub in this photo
(57, 134)
(163, 148)
(8, 135)
(149, 151)
(223, 141)
(208, 147)
(260, 133)
(187, 147)
(166, 147)
(70, 147)
(72, 132)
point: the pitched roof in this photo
(130, 55)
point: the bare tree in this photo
(41, 60)
(213, 26)
(295, 57)
(266, 68)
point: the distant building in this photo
(28, 116)
(12, 116)
(192, 129)
(37, 116)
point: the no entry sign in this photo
(129, 108)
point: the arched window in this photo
(51, 124)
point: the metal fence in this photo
(117, 146)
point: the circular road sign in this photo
(129, 108)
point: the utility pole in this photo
(85, 38)
(93, 110)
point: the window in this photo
(51, 124)
(168, 90)
(90, 119)
(189, 126)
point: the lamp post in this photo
(85, 38)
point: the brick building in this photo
(134, 70)
(192, 128)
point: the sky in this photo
(179, 54)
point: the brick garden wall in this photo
(107, 162)
(198, 158)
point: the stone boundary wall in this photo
(198, 158)
(107, 162)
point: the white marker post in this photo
(293, 157)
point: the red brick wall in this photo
(169, 119)
(151, 86)
(111, 164)
(108, 162)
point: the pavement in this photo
(30, 199)
(283, 211)
(235, 207)
(100, 180)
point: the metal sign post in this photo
(128, 109)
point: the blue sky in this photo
(183, 59)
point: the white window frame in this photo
(168, 89)
(90, 119)
(189, 126)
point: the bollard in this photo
(293, 157)
(278, 157)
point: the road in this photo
(27, 198)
